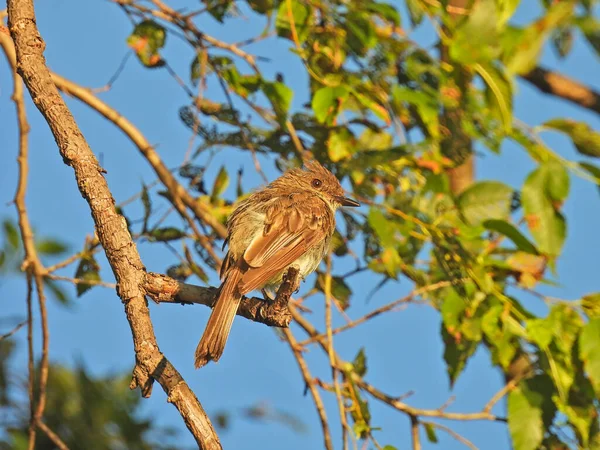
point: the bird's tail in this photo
(217, 330)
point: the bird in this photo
(288, 223)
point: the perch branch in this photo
(163, 289)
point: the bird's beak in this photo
(345, 201)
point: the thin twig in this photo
(13, 331)
(30, 364)
(394, 402)
(390, 306)
(77, 281)
(452, 433)
(115, 76)
(334, 373)
(310, 385)
(56, 440)
(414, 433)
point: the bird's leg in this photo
(266, 296)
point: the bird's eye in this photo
(316, 183)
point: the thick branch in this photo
(111, 228)
(554, 83)
(164, 289)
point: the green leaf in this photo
(539, 332)
(430, 432)
(147, 204)
(592, 170)
(339, 289)
(589, 351)
(452, 309)
(590, 304)
(525, 418)
(360, 33)
(510, 231)
(415, 12)
(506, 9)
(586, 140)
(301, 23)
(11, 234)
(476, 39)
(426, 104)
(327, 103)
(376, 108)
(220, 184)
(57, 291)
(165, 234)
(523, 47)
(456, 354)
(530, 411)
(590, 27)
(51, 247)
(374, 140)
(147, 39)
(563, 41)
(385, 11)
(485, 200)
(218, 8)
(384, 228)
(498, 93)
(261, 6)
(280, 97)
(340, 144)
(360, 363)
(539, 193)
(88, 269)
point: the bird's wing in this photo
(291, 229)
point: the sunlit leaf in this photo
(481, 22)
(165, 234)
(529, 407)
(280, 97)
(51, 247)
(147, 38)
(589, 351)
(220, 184)
(360, 362)
(510, 231)
(485, 200)
(11, 234)
(586, 140)
(89, 270)
(547, 225)
(327, 102)
(430, 433)
(523, 47)
(294, 23)
(339, 144)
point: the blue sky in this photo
(85, 43)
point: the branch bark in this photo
(111, 228)
(561, 86)
(163, 289)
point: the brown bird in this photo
(289, 223)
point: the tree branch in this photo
(561, 86)
(163, 289)
(111, 228)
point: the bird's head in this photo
(314, 177)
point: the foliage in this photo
(377, 116)
(367, 82)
